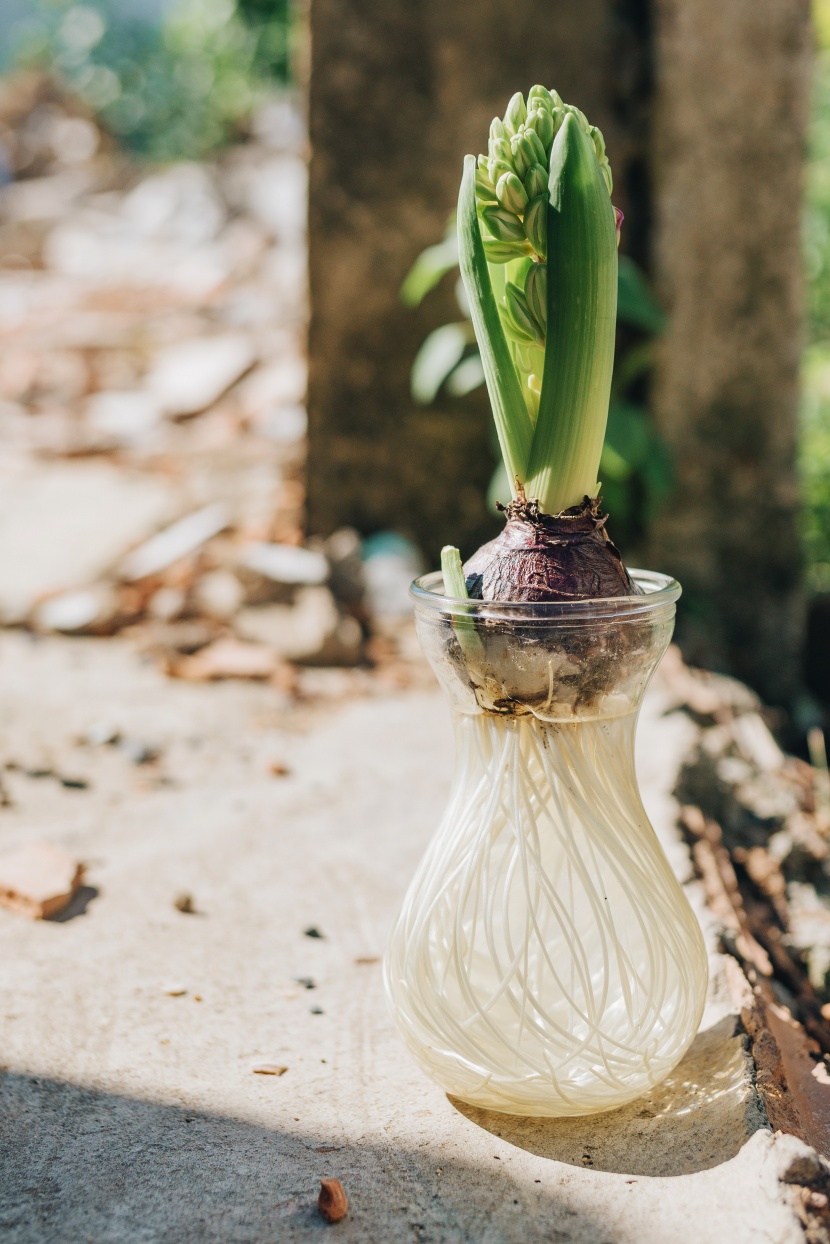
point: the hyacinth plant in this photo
(546, 961)
(537, 243)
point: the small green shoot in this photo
(455, 587)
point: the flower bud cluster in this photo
(512, 194)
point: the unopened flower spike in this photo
(538, 240)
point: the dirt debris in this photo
(152, 390)
(332, 1202)
(760, 841)
(39, 880)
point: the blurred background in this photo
(239, 397)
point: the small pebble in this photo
(332, 1202)
(268, 1069)
(307, 982)
(278, 769)
(184, 902)
(313, 932)
(137, 752)
(174, 991)
(71, 783)
(101, 733)
(317, 1010)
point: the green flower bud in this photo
(511, 193)
(516, 114)
(485, 190)
(497, 168)
(497, 130)
(536, 182)
(536, 292)
(505, 252)
(558, 115)
(519, 156)
(541, 121)
(536, 224)
(541, 97)
(520, 318)
(514, 330)
(503, 225)
(580, 116)
(532, 142)
(500, 149)
(599, 142)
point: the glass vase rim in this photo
(659, 591)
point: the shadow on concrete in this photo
(80, 1165)
(699, 1117)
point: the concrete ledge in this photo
(128, 1106)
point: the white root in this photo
(546, 961)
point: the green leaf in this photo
(468, 375)
(510, 413)
(635, 302)
(630, 434)
(581, 322)
(660, 477)
(439, 354)
(428, 269)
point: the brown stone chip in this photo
(332, 1202)
(38, 880)
(228, 658)
(268, 1069)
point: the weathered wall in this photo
(399, 93)
(729, 121)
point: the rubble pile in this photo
(758, 822)
(152, 387)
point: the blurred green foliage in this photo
(176, 86)
(815, 406)
(636, 468)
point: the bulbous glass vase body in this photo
(546, 960)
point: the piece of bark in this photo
(38, 880)
(332, 1202)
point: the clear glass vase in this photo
(546, 960)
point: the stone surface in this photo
(285, 563)
(129, 1113)
(63, 526)
(184, 537)
(191, 375)
(38, 879)
(228, 658)
(311, 630)
(82, 610)
(116, 417)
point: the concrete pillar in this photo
(730, 113)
